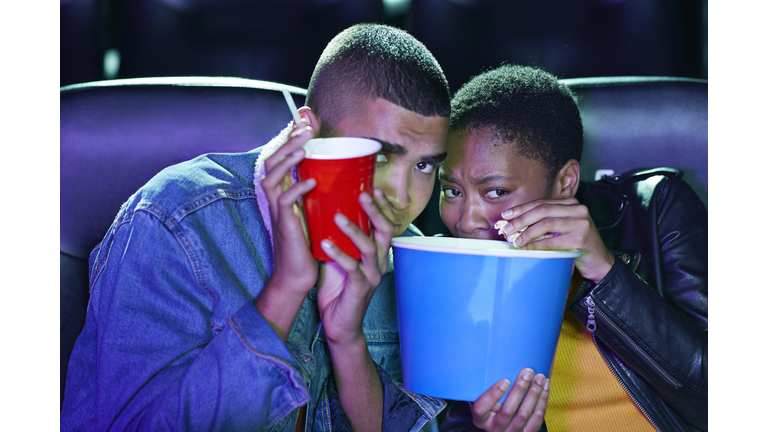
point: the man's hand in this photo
(561, 225)
(294, 271)
(346, 285)
(345, 289)
(493, 416)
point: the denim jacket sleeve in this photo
(150, 356)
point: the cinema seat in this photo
(115, 135)
(644, 122)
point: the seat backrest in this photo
(116, 135)
(644, 122)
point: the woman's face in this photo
(482, 177)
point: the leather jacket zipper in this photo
(592, 326)
(626, 390)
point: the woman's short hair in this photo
(525, 106)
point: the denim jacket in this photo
(172, 339)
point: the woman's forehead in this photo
(475, 145)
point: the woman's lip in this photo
(483, 235)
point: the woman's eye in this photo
(425, 167)
(496, 193)
(381, 158)
(451, 193)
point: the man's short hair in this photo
(376, 61)
(525, 106)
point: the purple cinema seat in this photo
(115, 135)
(644, 122)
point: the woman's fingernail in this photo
(297, 153)
(504, 386)
(527, 374)
(506, 214)
(326, 244)
(367, 198)
(540, 379)
(508, 228)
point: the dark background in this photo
(280, 40)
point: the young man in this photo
(204, 313)
(632, 353)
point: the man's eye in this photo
(381, 158)
(425, 167)
(451, 192)
(496, 193)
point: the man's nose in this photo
(397, 189)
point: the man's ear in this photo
(307, 114)
(567, 180)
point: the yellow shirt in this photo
(584, 394)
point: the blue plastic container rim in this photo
(465, 246)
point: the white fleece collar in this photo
(259, 172)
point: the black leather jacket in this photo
(651, 308)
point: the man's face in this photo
(483, 177)
(413, 146)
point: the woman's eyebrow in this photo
(446, 177)
(492, 177)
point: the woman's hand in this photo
(520, 411)
(561, 224)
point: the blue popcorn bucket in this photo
(473, 312)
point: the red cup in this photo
(343, 168)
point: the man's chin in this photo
(399, 230)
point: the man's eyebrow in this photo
(435, 159)
(387, 147)
(400, 150)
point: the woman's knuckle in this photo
(508, 411)
(522, 418)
